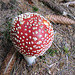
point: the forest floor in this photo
(59, 59)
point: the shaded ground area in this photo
(59, 59)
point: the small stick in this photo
(49, 66)
(53, 6)
(67, 60)
(57, 8)
(71, 3)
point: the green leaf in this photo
(35, 9)
(55, 51)
(66, 49)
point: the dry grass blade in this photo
(8, 63)
(60, 19)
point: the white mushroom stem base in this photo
(30, 60)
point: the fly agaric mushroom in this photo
(32, 35)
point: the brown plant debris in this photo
(30, 1)
(71, 3)
(60, 19)
(53, 6)
(8, 63)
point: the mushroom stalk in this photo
(30, 60)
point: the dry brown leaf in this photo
(60, 19)
(30, 1)
(7, 65)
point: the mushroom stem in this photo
(30, 60)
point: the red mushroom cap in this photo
(32, 34)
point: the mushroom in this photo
(32, 35)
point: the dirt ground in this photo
(61, 62)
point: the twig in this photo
(49, 66)
(56, 46)
(15, 67)
(57, 8)
(53, 6)
(67, 60)
(71, 3)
